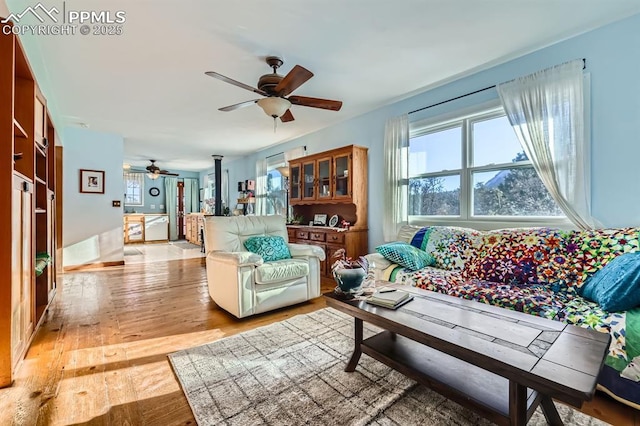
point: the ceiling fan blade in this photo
(167, 173)
(287, 116)
(235, 83)
(296, 78)
(316, 102)
(238, 106)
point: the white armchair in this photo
(241, 282)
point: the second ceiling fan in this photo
(154, 172)
(276, 90)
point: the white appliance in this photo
(156, 227)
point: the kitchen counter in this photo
(145, 227)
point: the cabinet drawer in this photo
(302, 235)
(335, 238)
(291, 234)
(316, 236)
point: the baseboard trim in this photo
(93, 265)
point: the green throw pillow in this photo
(406, 255)
(270, 248)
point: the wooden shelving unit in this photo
(27, 207)
(18, 131)
(331, 183)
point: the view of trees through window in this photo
(509, 192)
(275, 193)
(512, 192)
(429, 196)
(484, 149)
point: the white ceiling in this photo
(148, 84)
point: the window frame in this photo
(126, 178)
(465, 119)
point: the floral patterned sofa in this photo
(533, 270)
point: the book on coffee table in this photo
(390, 299)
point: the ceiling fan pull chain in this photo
(275, 123)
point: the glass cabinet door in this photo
(342, 177)
(324, 178)
(294, 182)
(308, 181)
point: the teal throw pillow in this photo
(616, 287)
(270, 248)
(406, 255)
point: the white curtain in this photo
(396, 175)
(187, 195)
(171, 191)
(546, 109)
(191, 196)
(261, 187)
(225, 189)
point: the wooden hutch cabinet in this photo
(195, 227)
(331, 183)
(27, 206)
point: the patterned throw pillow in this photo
(269, 247)
(405, 255)
(450, 246)
(597, 247)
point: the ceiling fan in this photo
(276, 89)
(154, 172)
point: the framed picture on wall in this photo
(91, 181)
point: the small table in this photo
(500, 363)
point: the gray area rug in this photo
(292, 373)
(185, 245)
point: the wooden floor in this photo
(100, 357)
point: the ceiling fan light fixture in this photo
(153, 176)
(274, 106)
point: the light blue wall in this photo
(92, 227)
(613, 59)
(160, 200)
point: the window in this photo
(276, 194)
(473, 167)
(134, 189)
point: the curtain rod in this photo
(280, 153)
(584, 61)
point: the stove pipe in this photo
(217, 160)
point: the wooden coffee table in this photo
(500, 363)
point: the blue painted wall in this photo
(158, 204)
(92, 227)
(613, 59)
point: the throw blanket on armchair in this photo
(538, 271)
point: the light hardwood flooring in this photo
(160, 252)
(100, 357)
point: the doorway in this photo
(182, 226)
